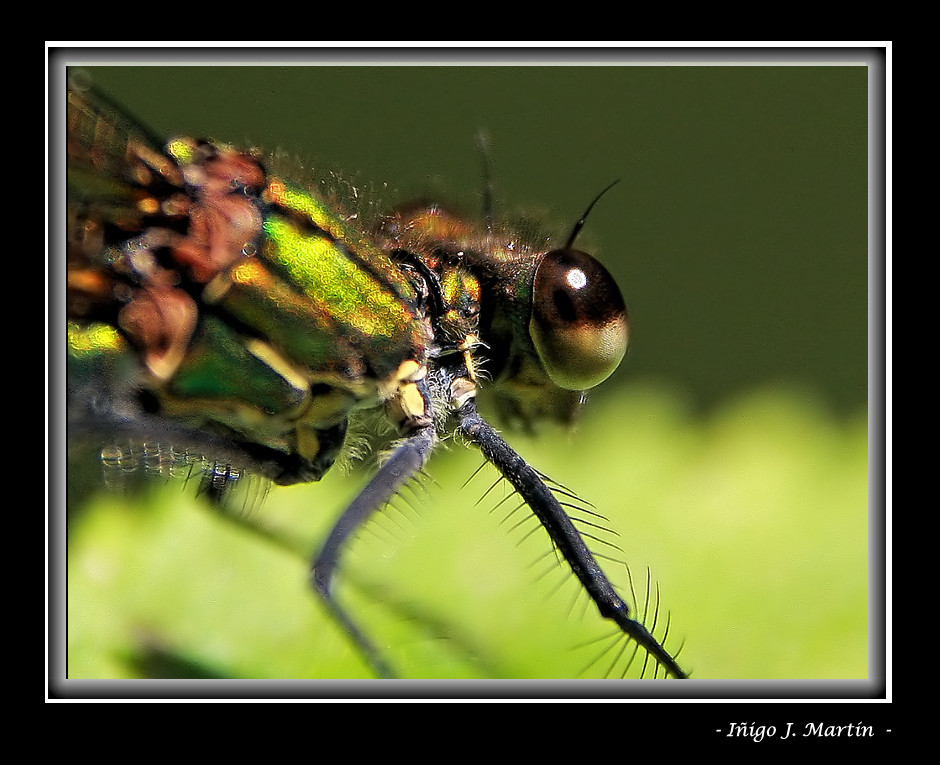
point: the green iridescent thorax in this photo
(349, 288)
(317, 308)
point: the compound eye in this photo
(579, 320)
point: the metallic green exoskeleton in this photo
(215, 305)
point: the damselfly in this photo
(218, 307)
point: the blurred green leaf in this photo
(753, 523)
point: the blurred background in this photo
(729, 451)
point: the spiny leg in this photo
(407, 459)
(562, 532)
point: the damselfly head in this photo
(552, 321)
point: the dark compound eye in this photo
(579, 320)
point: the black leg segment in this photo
(563, 533)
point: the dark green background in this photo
(739, 235)
(738, 231)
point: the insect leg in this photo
(562, 532)
(406, 460)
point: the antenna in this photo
(580, 224)
(483, 144)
